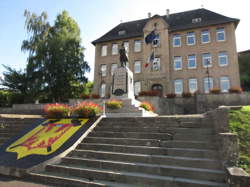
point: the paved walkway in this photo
(14, 182)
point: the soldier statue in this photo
(123, 56)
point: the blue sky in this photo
(96, 17)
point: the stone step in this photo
(123, 141)
(153, 129)
(189, 144)
(3, 139)
(162, 119)
(71, 181)
(156, 169)
(164, 127)
(7, 135)
(150, 158)
(161, 136)
(196, 153)
(162, 149)
(129, 177)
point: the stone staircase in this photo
(11, 125)
(148, 152)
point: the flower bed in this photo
(215, 91)
(147, 106)
(57, 110)
(114, 104)
(150, 93)
(235, 90)
(171, 95)
(87, 110)
(186, 94)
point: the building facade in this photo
(193, 51)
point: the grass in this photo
(239, 123)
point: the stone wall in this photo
(164, 106)
(196, 104)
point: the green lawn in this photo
(240, 124)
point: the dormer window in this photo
(121, 32)
(196, 20)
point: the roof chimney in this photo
(167, 12)
(149, 15)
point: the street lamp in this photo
(208, 78)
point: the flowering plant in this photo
(235, 90)
(114, 104)
(186, 94)
(95, 96)
(171, 95)
(87, 109)
(57, 110)
(215, 91)
(150, 93)
(147, 106)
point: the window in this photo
(156, 64)
(178, 86)
(205, 36)
(137, 87)
(191, 61)
(104, 50)
(103, 90)
(207, 60)
(224, 84)
(192, 84)
(137, 67)
(113, 67)
(121, 32)
(126, 46)
(190, 38)
(196, 20)
(103, 70)
(220, 34)
(114, 49)
(177, 63)
(223, 59)
(156, 41)
(177, 40)
(208, 85)
(137, 47)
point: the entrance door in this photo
(158, 87)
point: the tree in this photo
(56, 58)
(15, 80)
(244, 64)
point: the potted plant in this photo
(215, 91)
(57, 110)
(147, 106)
(114, 104)
(86, 110)
(171, 95)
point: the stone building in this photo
(193, 50)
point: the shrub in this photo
(239, 123)
(114, 104)
(171, 95)
(147, 106)
(186, 94)
(150, 93)
(235, 90)
(87, 110)
(95, 96)
(57, 110)
(215, 91)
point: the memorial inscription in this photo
(120, 82)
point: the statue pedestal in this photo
(123, 89)
(123, 84)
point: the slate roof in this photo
(177, 22)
